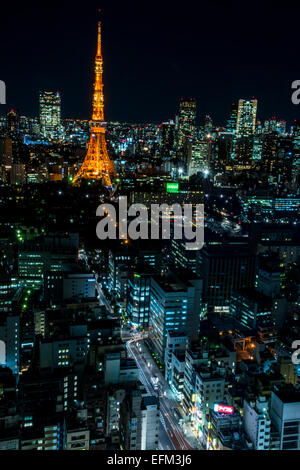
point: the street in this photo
(172, 437)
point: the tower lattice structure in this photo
(97, 164)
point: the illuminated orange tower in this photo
(97, 164)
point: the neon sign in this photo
(223, 409)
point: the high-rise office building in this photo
(257, 147)
(56, 253)
(251, 309)
(167, 138)
(222, 151)
(6, 157)
(200, 157)
(6, 151)
(245, 129)
(231, 128)
(246, 117)
(63, 285)
(208, 126)
(174, 305)
(50, 109)
(275, 125)
(296, 135)
(243, 156)
(225, 268)
(231, 123)
(180, 257)
(69, 349)
(18, 173)
(10, 337)
(13, 121)
(269, 153)
(186, 121)
(138, 302)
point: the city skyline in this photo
(146, 74)
(149, 272)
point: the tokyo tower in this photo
(97, 164)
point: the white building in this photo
(140, 421)
(150, 423)
(77, 439)
(209, 388)
(176, 341)
(257, 423)
(174, 305)
(10, 343)
(114, 400)
(285, 416)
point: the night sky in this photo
(215, 51)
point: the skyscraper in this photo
(138, 302)
(200, 157)
(166, 139)
(13, 121)
(296, 136)
(50, 108)
(174, 305)
(275, 125)
(6, 151)
(208, 126)
(245, 129)
(10, 336)
(186, 121)
(231, 123)
(225, 268)
(231, 128)
(246, 117)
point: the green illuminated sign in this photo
(172, 187)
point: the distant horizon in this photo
(216, 53)
(199, 122)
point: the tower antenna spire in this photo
(99, 36)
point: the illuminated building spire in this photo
(98, 99)
(99, 40)
(97, 164)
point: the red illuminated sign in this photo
(223, 409)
